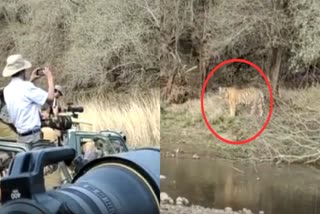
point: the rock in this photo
(261, 212)
(165, 198)
(246, 211)
(171, 201)
(179, 201)
(228, 209)
(185, 201)
(182, 201)
(174, 209)
(162, 177)
(195, 156)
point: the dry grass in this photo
(84, 50)
(305, 98)
(213, 105)
(292, 135)
(138, 116)
(216, 112)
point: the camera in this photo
(62, 122)
(78, 109)
(73, 109)
(39, 72)
(123, 183)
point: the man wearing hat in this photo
(58, 92)
(24, 99)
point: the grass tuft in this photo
(138, 116)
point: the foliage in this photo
(205, 32)
(306, 43)
(107, 45)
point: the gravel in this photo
(181, 205)
(179, 209)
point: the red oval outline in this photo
(202, 101)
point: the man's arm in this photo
(48, 73)
(37, 95)
(34, 76)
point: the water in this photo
(218, 184)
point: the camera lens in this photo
(118, 184)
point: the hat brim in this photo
(8, 72)
(61, 94)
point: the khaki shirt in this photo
(7, 132)
(50, 134)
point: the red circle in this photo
(271, 101)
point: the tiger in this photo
(247, 96)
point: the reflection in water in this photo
(289, 189)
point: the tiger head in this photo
(222, 92)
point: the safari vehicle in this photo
(9, 147)
(107, 143)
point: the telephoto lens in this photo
(78, 109)
(124, 183)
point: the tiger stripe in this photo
(247, 96)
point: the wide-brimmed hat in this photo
(59, 88)
(15, 63)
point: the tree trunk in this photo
(275, 64)
(170, 83)
(203, 72)
(276, 53)
(203, 54)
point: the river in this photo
(289, 189)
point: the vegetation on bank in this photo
(292, 136)
(93, 46)
(104, 53)
(280, 36)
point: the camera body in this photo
(119, 184)
(73, 110)
(39, 72)
(62, 122)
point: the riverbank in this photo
(176, 209)
(181, 205)
(218, 184)
(290, 137)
